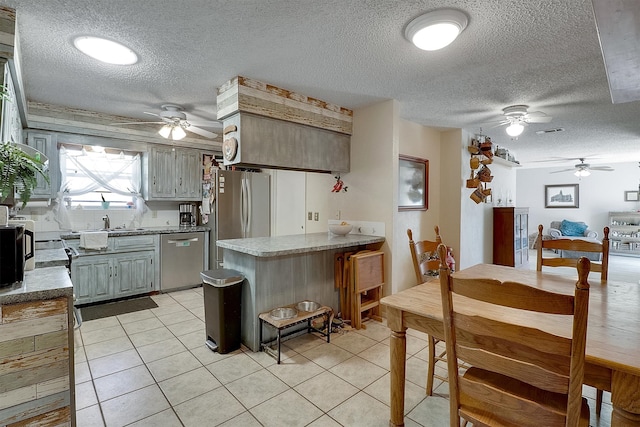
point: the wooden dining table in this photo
(612, 361)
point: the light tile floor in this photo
(151, 368)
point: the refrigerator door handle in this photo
(248, 195)
(243, 208)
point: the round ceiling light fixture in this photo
(437, 29)
(105, 50)
(515, 129)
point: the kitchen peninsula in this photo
(283, 270)
(36, 349)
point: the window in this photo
(97, 177)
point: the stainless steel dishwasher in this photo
(181, 260)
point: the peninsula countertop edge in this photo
(296, 243)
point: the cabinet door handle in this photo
(110, 271)
(116, 269)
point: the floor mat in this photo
(98, 311)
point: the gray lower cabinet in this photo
(111, 276)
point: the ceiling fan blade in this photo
(564, 170)
(539, 119)
(206, 123)
(201, 132)
(135, 123)
(152, 114)
(602, 168)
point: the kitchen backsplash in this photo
(88, 219)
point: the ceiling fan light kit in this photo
(436, 30)
(175, 123)
(518, 116)
(514, 129)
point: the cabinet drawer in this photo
(135, 242)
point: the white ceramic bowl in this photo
(340, 230)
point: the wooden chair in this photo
(520, 375)
(577, 245)
(426, 265)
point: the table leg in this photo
(398, 351)
(625, 397)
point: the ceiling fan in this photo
(175, 123)
(584, 169)
(518, 116)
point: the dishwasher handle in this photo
(193, 239)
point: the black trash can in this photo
(222, 290)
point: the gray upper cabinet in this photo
(11, 122)
(172, 173)
(188, 183)
(47, 144)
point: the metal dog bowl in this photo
(283, 313)
(308, 306)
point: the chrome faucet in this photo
(107, 222)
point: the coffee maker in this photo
(187, 214)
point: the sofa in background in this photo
(574, 230)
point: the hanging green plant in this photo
(20, 171)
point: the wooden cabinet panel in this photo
(133, 273)
(188, 179)
(173, 173)
(47, 144)
(511, 236)
(114, 275)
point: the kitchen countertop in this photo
(39, 284)
(51, 258)
(114, 232)
(297, 243)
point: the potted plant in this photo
(18, 169)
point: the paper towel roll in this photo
(4, 215)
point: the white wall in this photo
(599, 193)
(373, 173)
(423, 142)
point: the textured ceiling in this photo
(544, 54)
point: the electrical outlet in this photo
(309, 216)
(316, 216)
(154, 214)
(337, 214)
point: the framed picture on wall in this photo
(631, 196)
(561, 196)
(413, 184)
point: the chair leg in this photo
(432, 365)
(598, 401)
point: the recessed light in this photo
(437, 29)
(105, 50)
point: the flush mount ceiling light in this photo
(105, 50)
(437, 29)
(515, 129)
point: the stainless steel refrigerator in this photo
(242, 208)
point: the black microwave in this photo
(13, 254)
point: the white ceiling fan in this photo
(175, 123)
(584, 169)
(517, 117)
